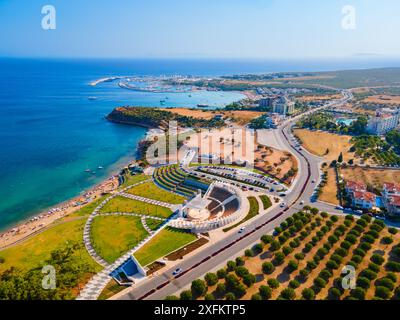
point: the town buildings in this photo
(384, 121)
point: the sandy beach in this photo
(43, 220)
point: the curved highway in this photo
(196, 266)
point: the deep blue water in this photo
(50, 132)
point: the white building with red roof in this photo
(391, 198)
(352, 186)
(363, 200)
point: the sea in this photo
(53, 127)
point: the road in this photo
(196, 266)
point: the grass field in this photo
(318, 143)
(154, 224)
(151, 191)
(113, 236)
(121, 204)
(372, 177)
(266, 202)
(130, 180)
(34, 251)
(330, 191)
(165, 242)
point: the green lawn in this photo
(151, 191)
(165, 242)
(35, 250)
(130, 180)
(253, 211)
(112, 236)
(122, 204)
(154, 224)
(266, 201)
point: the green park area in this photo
(165, 242)
(122, 204)
(36, 250)
(151, 191)
(113, 236)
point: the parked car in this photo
(339, 208)
(359, 212)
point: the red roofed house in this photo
(391, 198)
(363, 199)
(352, 186)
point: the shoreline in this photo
(43, 219)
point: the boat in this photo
(93, 172)
(203, 106)
(100, 167)
(162, 102)
(92, 98)
(88, 170)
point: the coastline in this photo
(42, 220)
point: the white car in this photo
(301, 202)
(176, 272)
(339, 208)
(242, 230)
(283, 205)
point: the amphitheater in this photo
(211, 205)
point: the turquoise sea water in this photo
(50, 132)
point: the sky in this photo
(200, 29)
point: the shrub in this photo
(393, 266)
(358, 293)
(360, 252)
(248, 253)
(334, 293)
(332, 265)
(387, 240)
(382, 292)
(292, 266)
(374, 267)
(385, 282)
(351, 238)
(170, 298)
(249, 279)
(307, 248)
(378, 259)
(363, 282)
(308, 294)
(230, 296)
(198, 288)
(287, 250)
(373, 233)
(365, 246)
(333, 239)
(211, 279)
(209, 297)
(334, 219)
(256, 297)
(319, 282)
(278, 230)
(268, 267)
(265, 292)
(325, 274)
(288, 294)
(221, 289)
(322, 252)
(342, 252)
(239, 291)
(368, 238)
(392, 231)
(362, 223)
(392, 276)
(369, 274)
(304, 273)
(275, 246)
(311, 265)
(231, 282)
(231, 265)
(357, 259)
(239, 261)
(337, 258)
(279, 258)
(273, 283)
(267, 239)
(258, 248)
(241, 271)
(299, 256)
(345, 244)
(221, 273)
(186, 295)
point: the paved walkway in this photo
(173, 207)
